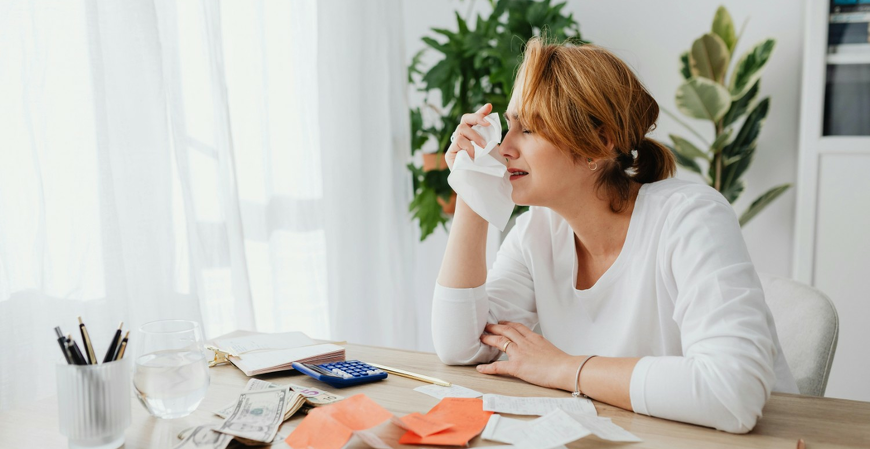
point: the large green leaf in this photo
(761, 202)
(684, 161)
(732, 191)
(709, 58)
(739, 153)
(740, 106)
(723, 27)
(687, 149)
(750, 67)
(748, 133)
(684, 66)
(703, 98)
(425, 208)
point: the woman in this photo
(641, 283)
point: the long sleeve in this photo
(726, 373)
(460, 314)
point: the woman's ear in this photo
(606, 139)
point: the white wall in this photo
(650, 36)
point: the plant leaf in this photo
(723, 27)
(703, 98)
(761, 202)
(721, 140)
(739, 107)
(425, 208)
(684, 161)
(733, 191)
(738, 154)
(709, 58)
(687, 149)
(684, 65)
(750, 67)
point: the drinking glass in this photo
(171, 371)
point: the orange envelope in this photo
(330, 426)
(466, 416)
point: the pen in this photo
(74, 351)
(411, 375)
(122, 347)
(110, 354)
(61, 340)
(86, 339)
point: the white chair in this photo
(808, 326)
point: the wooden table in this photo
(821, 422)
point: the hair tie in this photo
(624, 160)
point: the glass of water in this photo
(171, 371)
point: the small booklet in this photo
(256, 354)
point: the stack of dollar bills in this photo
(255, 417)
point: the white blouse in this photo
(683, 295)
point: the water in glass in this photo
(171, 372)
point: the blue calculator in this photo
(341, 374)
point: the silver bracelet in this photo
(577, 392)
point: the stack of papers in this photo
(267, 353)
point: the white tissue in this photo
(484, 183)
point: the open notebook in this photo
(256, 353)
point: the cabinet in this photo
(832, 229)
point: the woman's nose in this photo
(506, 149)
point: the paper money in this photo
(258, 414)
(316, 396)
(313, 396)
(204, 437)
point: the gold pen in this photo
(410, 375)
(89, 348)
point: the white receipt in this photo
(552, 430)
(605, 429)
(453, 391)
(536, 406)
(259, 342)
(505, 430)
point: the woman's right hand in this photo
(465, 135)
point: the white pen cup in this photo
(94, 404)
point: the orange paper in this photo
(466, 416)
(330, 426)
(423, 425)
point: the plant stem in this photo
(686, 126)
(717, 183)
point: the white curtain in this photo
(240, 164)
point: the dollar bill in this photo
(258, 414)
(316, 396)
(204, 437)
(313, 396)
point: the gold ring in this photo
(504, 348)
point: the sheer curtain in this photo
(240, 164)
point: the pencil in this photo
(411, 375)
(86, 339)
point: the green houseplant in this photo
(708, 94)
(477, 65)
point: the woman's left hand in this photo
(531, 357)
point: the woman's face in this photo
(551, 176)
